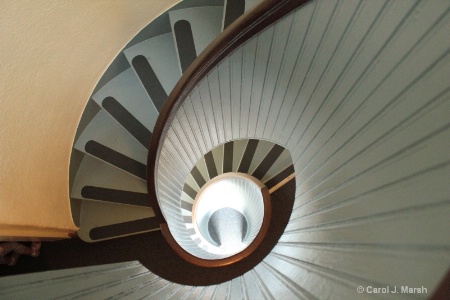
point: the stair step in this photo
(238, 147)
(210, 165)
(279, 177)
(128, 121)
(283, 162)
(117, 159)
(196, 28)
(218, 156)
(102, 221)
(130, 93)
(105, 130)
(117, 196)
(233, 10)
(263, 148)
(124, 228)
(268, 161)
(248, 155)
(96, 173)
(228, 157)
(188, 197)
(200, 173)
(161, 54)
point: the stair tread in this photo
(262, 150)
(161, 53)
(251, 3)
(129, 92)
(283, 161)
(105, 130)
(96, 214)
(206, 23)
(94, 172)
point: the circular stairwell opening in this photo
(228, 213)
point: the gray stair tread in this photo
(96, 214)
(161, 53)
(206, 23)
(105, 130)
(94, 172)
(129, 92)
(251, 3)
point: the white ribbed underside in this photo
(358, 92)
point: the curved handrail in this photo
(247, 26)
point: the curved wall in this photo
(51, 56)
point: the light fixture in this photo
(228, 213)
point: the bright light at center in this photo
(238, 193)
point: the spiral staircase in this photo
(349, 97)
(109, 188)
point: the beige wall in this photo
(52, 54)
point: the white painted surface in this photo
(360, 96)
(52, 55)
(99, 282)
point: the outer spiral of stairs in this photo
(355, 95)
(108, 182)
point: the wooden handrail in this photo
(248, 25)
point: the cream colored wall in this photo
(52, 54)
